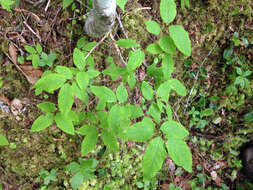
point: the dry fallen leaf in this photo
(32, 74)
(216, 178)
(13, 53)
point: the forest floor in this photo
(221, 34)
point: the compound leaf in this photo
(141, 131)
(181, 39)
(164, 91)
(121, 93)
(47, 107)
(42, 122)
(173, 129)
(64, 123)
(135, 59)
(78, 58)
(89, 141)
(82, 79)
(65, 98)
(109, 140)
(153, 158)
(167, 44)
(103, 93)
(177, 86)
(153, 27)
(154, 49)
(49, 83)
(127, 43)
(168, 10)
(180, 153)
(147, 91)
(167, 66)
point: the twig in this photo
(118, 50)
(142, 8)
(52, 24)
(39, 2)
(95, 46)
(16, 65)
(196, 78)
(32, 31)
(122, 27)
(48, 3)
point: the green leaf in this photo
(167, 66)
(79, 93)
(78, 58)
(38, 48)
(141, 131)
(173, 129)
(64, 123)
(121, 93)
(181, 39)
(89, 141)
(155, 112)
(47, 107)
(109, 140)
(153, 27)
(135, 60)
(154, 49)
(82, 79)
(88, 47)
(153, 158)
(42, 122)
(113, 71)
(207, 112)
(64, 71)
(147, 91)
(167, 44)
(248, 117)
(108, 187)
(35, 60)
(3, 140)
(168, 10)
(134, 111)
(84, 130)
(66, 3)
(76, 180)
(127, 43)
(103, 93)
(180, 153)
(117, 119)
(49, 83)
(131, 81)
(92, 73)
(177, 86)
(6, 4)
(121, 4)
(65, 98)
(30, 49)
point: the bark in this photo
(101, 18)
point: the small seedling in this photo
(47, 176)
(84, 170)
(38, 57)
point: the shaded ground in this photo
(215, 146)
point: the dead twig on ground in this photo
(38, 36)
(196, 78)
(118, 50)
